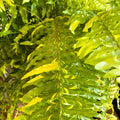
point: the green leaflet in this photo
(34, 9)
(13, 11)
(77, 18)
(25, 1)
(23, 31)
(118, 79)
(8, 26)
(37, 28)
(26, 108)
(33, 81)
(32, 102)
(41, 69)
(109, 63)
(112, 73)
(24, 14)
(89, 23)
(88, 48)
(10, 2)
(74, 25)
(50, 2)
(26, 43)
(1, 6)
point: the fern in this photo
(63, 85)
(68, 66)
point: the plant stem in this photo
(58, 55)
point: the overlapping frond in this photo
(102, 42)
(100, 46)
(82, 11)
(91, 4)
(64, 88)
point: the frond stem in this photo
(60, 84)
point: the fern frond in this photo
(100, 45)
(66, 88)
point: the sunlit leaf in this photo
(33, 80)
(70, 107)
(24, 14)
(33, 101)
(49, 118)
(26, 43)
(10, 2)
(90, 23)
(1, 6)
(48, 108)
(25, 1)
(74, 25)
(41, 69)
(112, 73)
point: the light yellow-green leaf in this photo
(100, 81)
(112, 73)
(45, 68)
(8, 26)
(74, 25)
(2, 6)
(37, 28)
(72, 88)
(64, 71)
(50, 2)
(27, 108)
(48, 108)
(70, 107)
(79, 103)
(25, 1)
(73, 77)
(3, 68)
(87, 48)
(66, 76)
(81, 42)
(49, 118)
(26, 43)
(118, 80)
(24, 14)
(90, 23)
(66, 90)
(53, 96)
(65, 101)
(9, 116)
(28, 58)
(10, 2)
(32, 81)
(33, 102)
